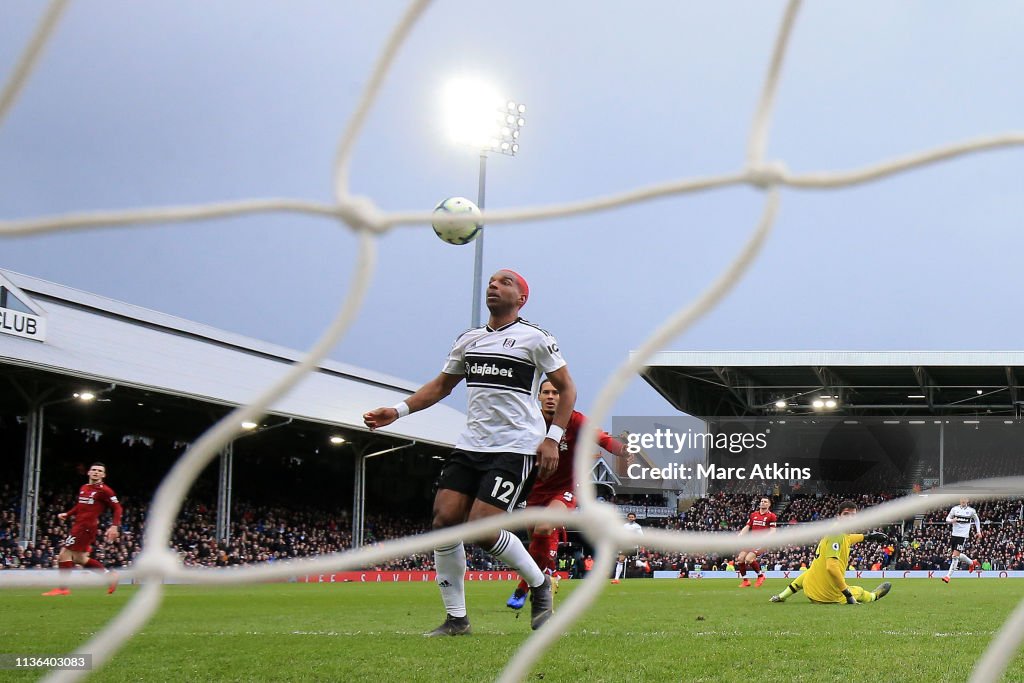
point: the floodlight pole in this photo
(478, 260)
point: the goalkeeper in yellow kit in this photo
(825, 580)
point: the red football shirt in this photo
(93, 501)
(759, 521)
(561, 479)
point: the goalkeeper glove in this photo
(849, 597)
(877, 536)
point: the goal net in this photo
(597, 521)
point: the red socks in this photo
(544, 551)
(93, 564)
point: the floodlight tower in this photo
(477, 116)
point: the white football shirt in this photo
(633, 527)
(961, 516)
(503, 370)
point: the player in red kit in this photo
(762, 520)
(558, 490)
(94, 498)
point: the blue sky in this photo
(144, 104)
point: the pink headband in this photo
(524, 288)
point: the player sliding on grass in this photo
(825, 580)
(558, 490)
(94, 498)
(761, 521)
(492, 466)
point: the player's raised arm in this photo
(567, 395)
(426, 396)
(611, 444)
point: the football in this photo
(457, 231)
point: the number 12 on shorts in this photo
(506, 488)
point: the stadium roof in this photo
(751, 383)
(87, 337)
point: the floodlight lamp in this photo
(249, 425)
(818, 403)
(830, 403)
(515, 134)
(510, 119)
(86, 396)
(337, 440)
(522, 108)
(515, 148)
(469, 111)
(511, 106)
(521, 122)
(780, 404)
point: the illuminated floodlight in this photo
(831, 403)
(469, 107)
(337, 440)
(86, 396)
(475, 116)
(780, 404)
(249, 425)
(818, 403)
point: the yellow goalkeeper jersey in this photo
(818, 584)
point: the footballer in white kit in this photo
(961, 516)
(506, 442)
(633, 527)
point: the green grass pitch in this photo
(640, 630)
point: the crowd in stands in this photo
(271, 533)
(258, 534)
(924, 546)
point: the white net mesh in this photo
(597, 521)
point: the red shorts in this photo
(81, 538)
(541, 498)
(758, 552)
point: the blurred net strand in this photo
(157, 561)
(703, 542)
(1001, 652)
(380, 71)
(361, 211)
(30, 56)
(757, 145)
